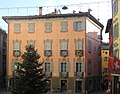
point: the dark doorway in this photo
(63, 85)
(78, 85)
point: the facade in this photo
(62, 41)
(3, 47)
(116, 44)
(105, 61)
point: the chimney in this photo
(40, 10)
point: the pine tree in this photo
(30, 78)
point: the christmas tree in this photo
(30, 78)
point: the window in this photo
(78, 88)
(47, 45)
(64, 48)
(115, 7)
(64, 67)
(105, 69)
(15, 66)
(105, 59)
(89, 46)
(78, 26)
(89, 66)
(31, 42)
(64, 27)
(47, 48)
(115, 30)
(78, 44)
(31, 27)
(116, 52)
(79, 67)
(48, 66)
(48, 27)
(16, 48)
(17, 27)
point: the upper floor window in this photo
(64, 67)
(31, 42)
(89, 46)
(78, 26)
(16, 48)
(105, 69)
(31, 27)
(48, 66)
(106, 59)
(79, 67)
(115, 6)
(115, 30)
(17, 27)
(48, 48)
(89, 66)
(64, 26)
(48, 27)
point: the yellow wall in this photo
(104, 64)
(116, 17)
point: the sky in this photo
(101, 9)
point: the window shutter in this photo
(74, 26)
(64, 45)
(12, 66)
(78, 44)
(16, 45)
(83, 67)
(67, 67)
(59, 67)
(63, 26)
(74, 66)
(47, 45)
(43, 65)
(51, 67)
(48, 27)
(31, 27)
(17, 27)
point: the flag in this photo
(111, 64)
(117, 64)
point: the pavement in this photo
(5, 92)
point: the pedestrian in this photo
(108, 91)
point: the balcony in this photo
(64, 74)
(79, 74)
(48, 74)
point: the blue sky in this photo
(101, 10)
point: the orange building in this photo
(63, 44)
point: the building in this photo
(65, 43)
(105, 61)
(116, 45)
(3, 48)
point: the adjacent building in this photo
(3, 47)
(69, 45)
(105, 61)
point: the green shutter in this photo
(74, 26)
(68, 67)
(74, 67)
(83, 67)
(43, 65)
(59, 67)
(51, 67)
(12, 66)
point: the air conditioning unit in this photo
(48, 53)
(64, 53)
(79, 53)
(16, 53)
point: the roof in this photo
(47, 16)
(109, 23)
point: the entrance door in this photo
(63, 85)
(78, 86)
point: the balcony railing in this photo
(63, 74)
